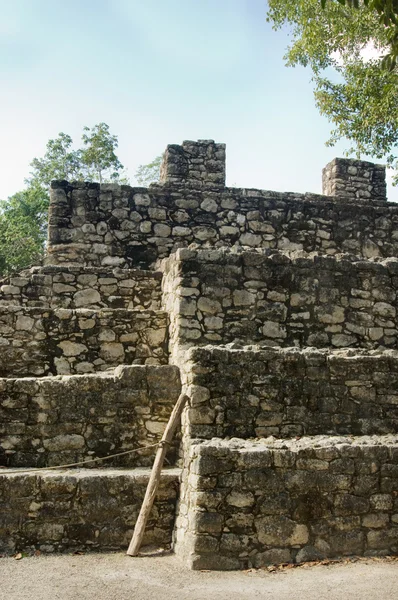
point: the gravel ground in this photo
(118, 577)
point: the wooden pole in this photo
(154, 479)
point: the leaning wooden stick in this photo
(154, 479)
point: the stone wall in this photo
(255, 503)
(250, 393)
(61, 420)
(197, 164)
(79, 287)
(38, 341)
(54, 511)
(213, 296)
(111, 225)
(356, 180)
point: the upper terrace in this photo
(113, 225)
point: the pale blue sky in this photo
(159, 72)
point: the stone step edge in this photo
(139, 474)
(304, 443)
(77, 269)
(283, 257)
(65, 312)
(193, 352)
(116, 372)
(82, 509)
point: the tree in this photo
(23, 223)
(98, 155)
(96, 160)
(353, 87)
(388, 16)
(60, 161)
(23, 217)
(149, 173)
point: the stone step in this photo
(61, 420)
(220, 296)
(40, 341)
(82, 509)
(252, 503)
(286, 392)
(83, 287)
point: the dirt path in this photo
(118, 577)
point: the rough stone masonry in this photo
(276, 313)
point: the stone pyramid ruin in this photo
(276, 313)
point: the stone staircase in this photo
(275, 313)
(290, 439)
(84, 374)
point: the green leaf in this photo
(358, 97)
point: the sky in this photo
(159, 72)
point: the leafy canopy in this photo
(150, 173)
(388, 16)
(23, 217)
(96, 160)
(23, 223)
(345, 44)
(98, 157)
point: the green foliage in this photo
(387, 11)
(23, 221)
(98, 155)
(60, 161)
(149, 173)
(358, 96)
(23, 217)
(96, 160)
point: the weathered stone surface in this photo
(52, 421)
(63, 341)
(253, 392)
(355, 179)
(192, 191)
(86, 287)
(82, 509)
(270, 298)
(310, 280)
(299, 513)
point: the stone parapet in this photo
(357, 180)
(121, 226)
(196, 164)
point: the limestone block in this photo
(86, 297)
(64, 442)
(207, 305)
(72, 348)
(24, 323)
(112, 352)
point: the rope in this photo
(83, 462)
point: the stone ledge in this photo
(85, 509)
(65, 419)
(252, 503)
(221, 295)
(56, 286)
(60, 341)
(253, 391)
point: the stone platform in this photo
(251, 503)
(276, 313)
